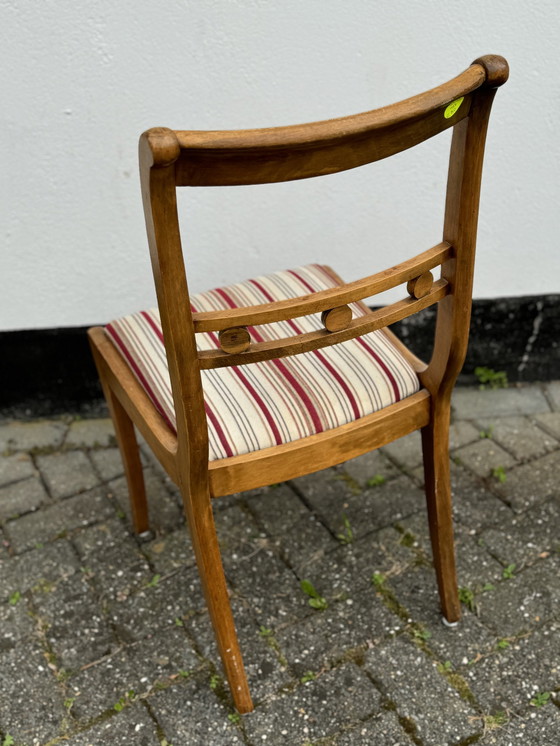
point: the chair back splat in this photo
(314, 376)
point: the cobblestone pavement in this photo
(104, 639)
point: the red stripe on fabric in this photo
(122, 347)
(286, 373)
(372, 352)
(158, 332)
(221, 292)
(303, 281)
(332, 370)
(219, 430)
(254, 393)
(383, 366)
(260, 403)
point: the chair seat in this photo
(264, 404)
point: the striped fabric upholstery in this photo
(256, 406)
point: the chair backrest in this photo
(171, 159)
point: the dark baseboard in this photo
(48, 372)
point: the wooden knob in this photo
(236, 339)
(420, 286)
(337, 318)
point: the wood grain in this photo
(336, 319)
(234, 340)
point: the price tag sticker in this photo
(453, 107)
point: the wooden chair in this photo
(177, 430)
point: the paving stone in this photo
(526, 601)
(538, 728)
(112, 559)
(263, 659)
(165, 657)
(484, 456)
(327, 637)
(164, 512)
(31, 702)
(509, 678)
(192, 714)
(372, 464)
(67, 473)
(383, 729)
(473, 505)
(77, 630)
(549, 421)
(553, 392)
(316, 709)
(349, 569)
(90, 433)
(376, 508)
(238, 533)
(169, 552)
(140, 667)
(293, 528)
(157, 606)
(97, 688)
(4, 544)
(16, 624)
(108, 463)
(94, 540)
(533, 483)
(406, 451)
(527, 536)
(40, 566)
(21, 497)
(437, 711)
(267, 585)
(475, 565)
(119, 572)
(474, 403)
(131, 727)
(29, 436)
(47, 524)
(17, 466)
(519, 436)
(462, 433)
(416, 592)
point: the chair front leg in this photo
(435, 447)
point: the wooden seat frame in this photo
(170, 159)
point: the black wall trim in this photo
(50, 371)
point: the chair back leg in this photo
(200, 518)
(435, 447)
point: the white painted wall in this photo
(81, 80)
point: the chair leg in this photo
(130, 454)
(200, 519)
(435, 446)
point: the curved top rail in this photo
(273, 154)
(326, 131)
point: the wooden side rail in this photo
(324, 300)
(315, 340)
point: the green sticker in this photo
(453, 107)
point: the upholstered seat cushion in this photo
(256, 406)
